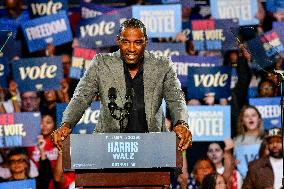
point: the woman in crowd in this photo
(267, 88)
(47, 126)
(220, 154)
(214, 181)
(9, 101)
(250, 126)
(250, 132)
(202, 167)
(19, 166)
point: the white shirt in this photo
(277, 167)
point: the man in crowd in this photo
(266, 172)
(30, 101)
(151, 79)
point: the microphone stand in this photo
(9, 34)
(123, 113)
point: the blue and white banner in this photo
(87, 123)
(269, 109)
(213, 34)
(202, 80)
(53, 29)
(20, 184)
(245, 154)
(91, 10)
(160, 20)
(4, 72)
(186, 28)
(275, 5)
(244, 11)
(13, 49)
(101, 31)
(9, 46)
(81, 61)
(265, 47)
(7, 23)
(209, 123)
(278, 25)
(167, 49)
(184, 62)
(39, 8)
(38, 74)
(19, 129)
(252, 92)
(6, 37)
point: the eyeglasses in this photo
(16, 161)
(266, 88)
(31, 98)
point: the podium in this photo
(122, 160)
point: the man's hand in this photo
(60, 134)
(184, 134)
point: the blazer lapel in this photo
(118, 78)
(149, 79)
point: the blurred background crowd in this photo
(210, 163)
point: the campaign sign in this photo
(160, 20)
(101, 31)
(274, 5)
(81, 61)
(215, 80)
(53, 29)
(213, 34)
(8, 45)
(186, 29)
(278, 25)
(91, 10)
(6, 36)
(87, 123)
(252, 92)
(13, 49)
(183, 62)
(19, 129)
(123, 150)
(39, 8)
(7, 23)
(209, 123)
(38, 74)
(269, 109)
(265, 47)
(4, 70)
(166, 49)
(19, 184)
(245, 154)
(244, 11)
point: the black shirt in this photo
(137, 119)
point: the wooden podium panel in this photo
(123, 179)
(136, 178)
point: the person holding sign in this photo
(130, 75)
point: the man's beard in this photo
(276, 154)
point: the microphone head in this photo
(129, 93)
(112, 93)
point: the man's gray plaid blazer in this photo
(106, 71)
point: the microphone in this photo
(129, 96)
(120, 113)
(112, 97)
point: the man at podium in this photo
(131, 84)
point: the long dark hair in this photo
(209, 181)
